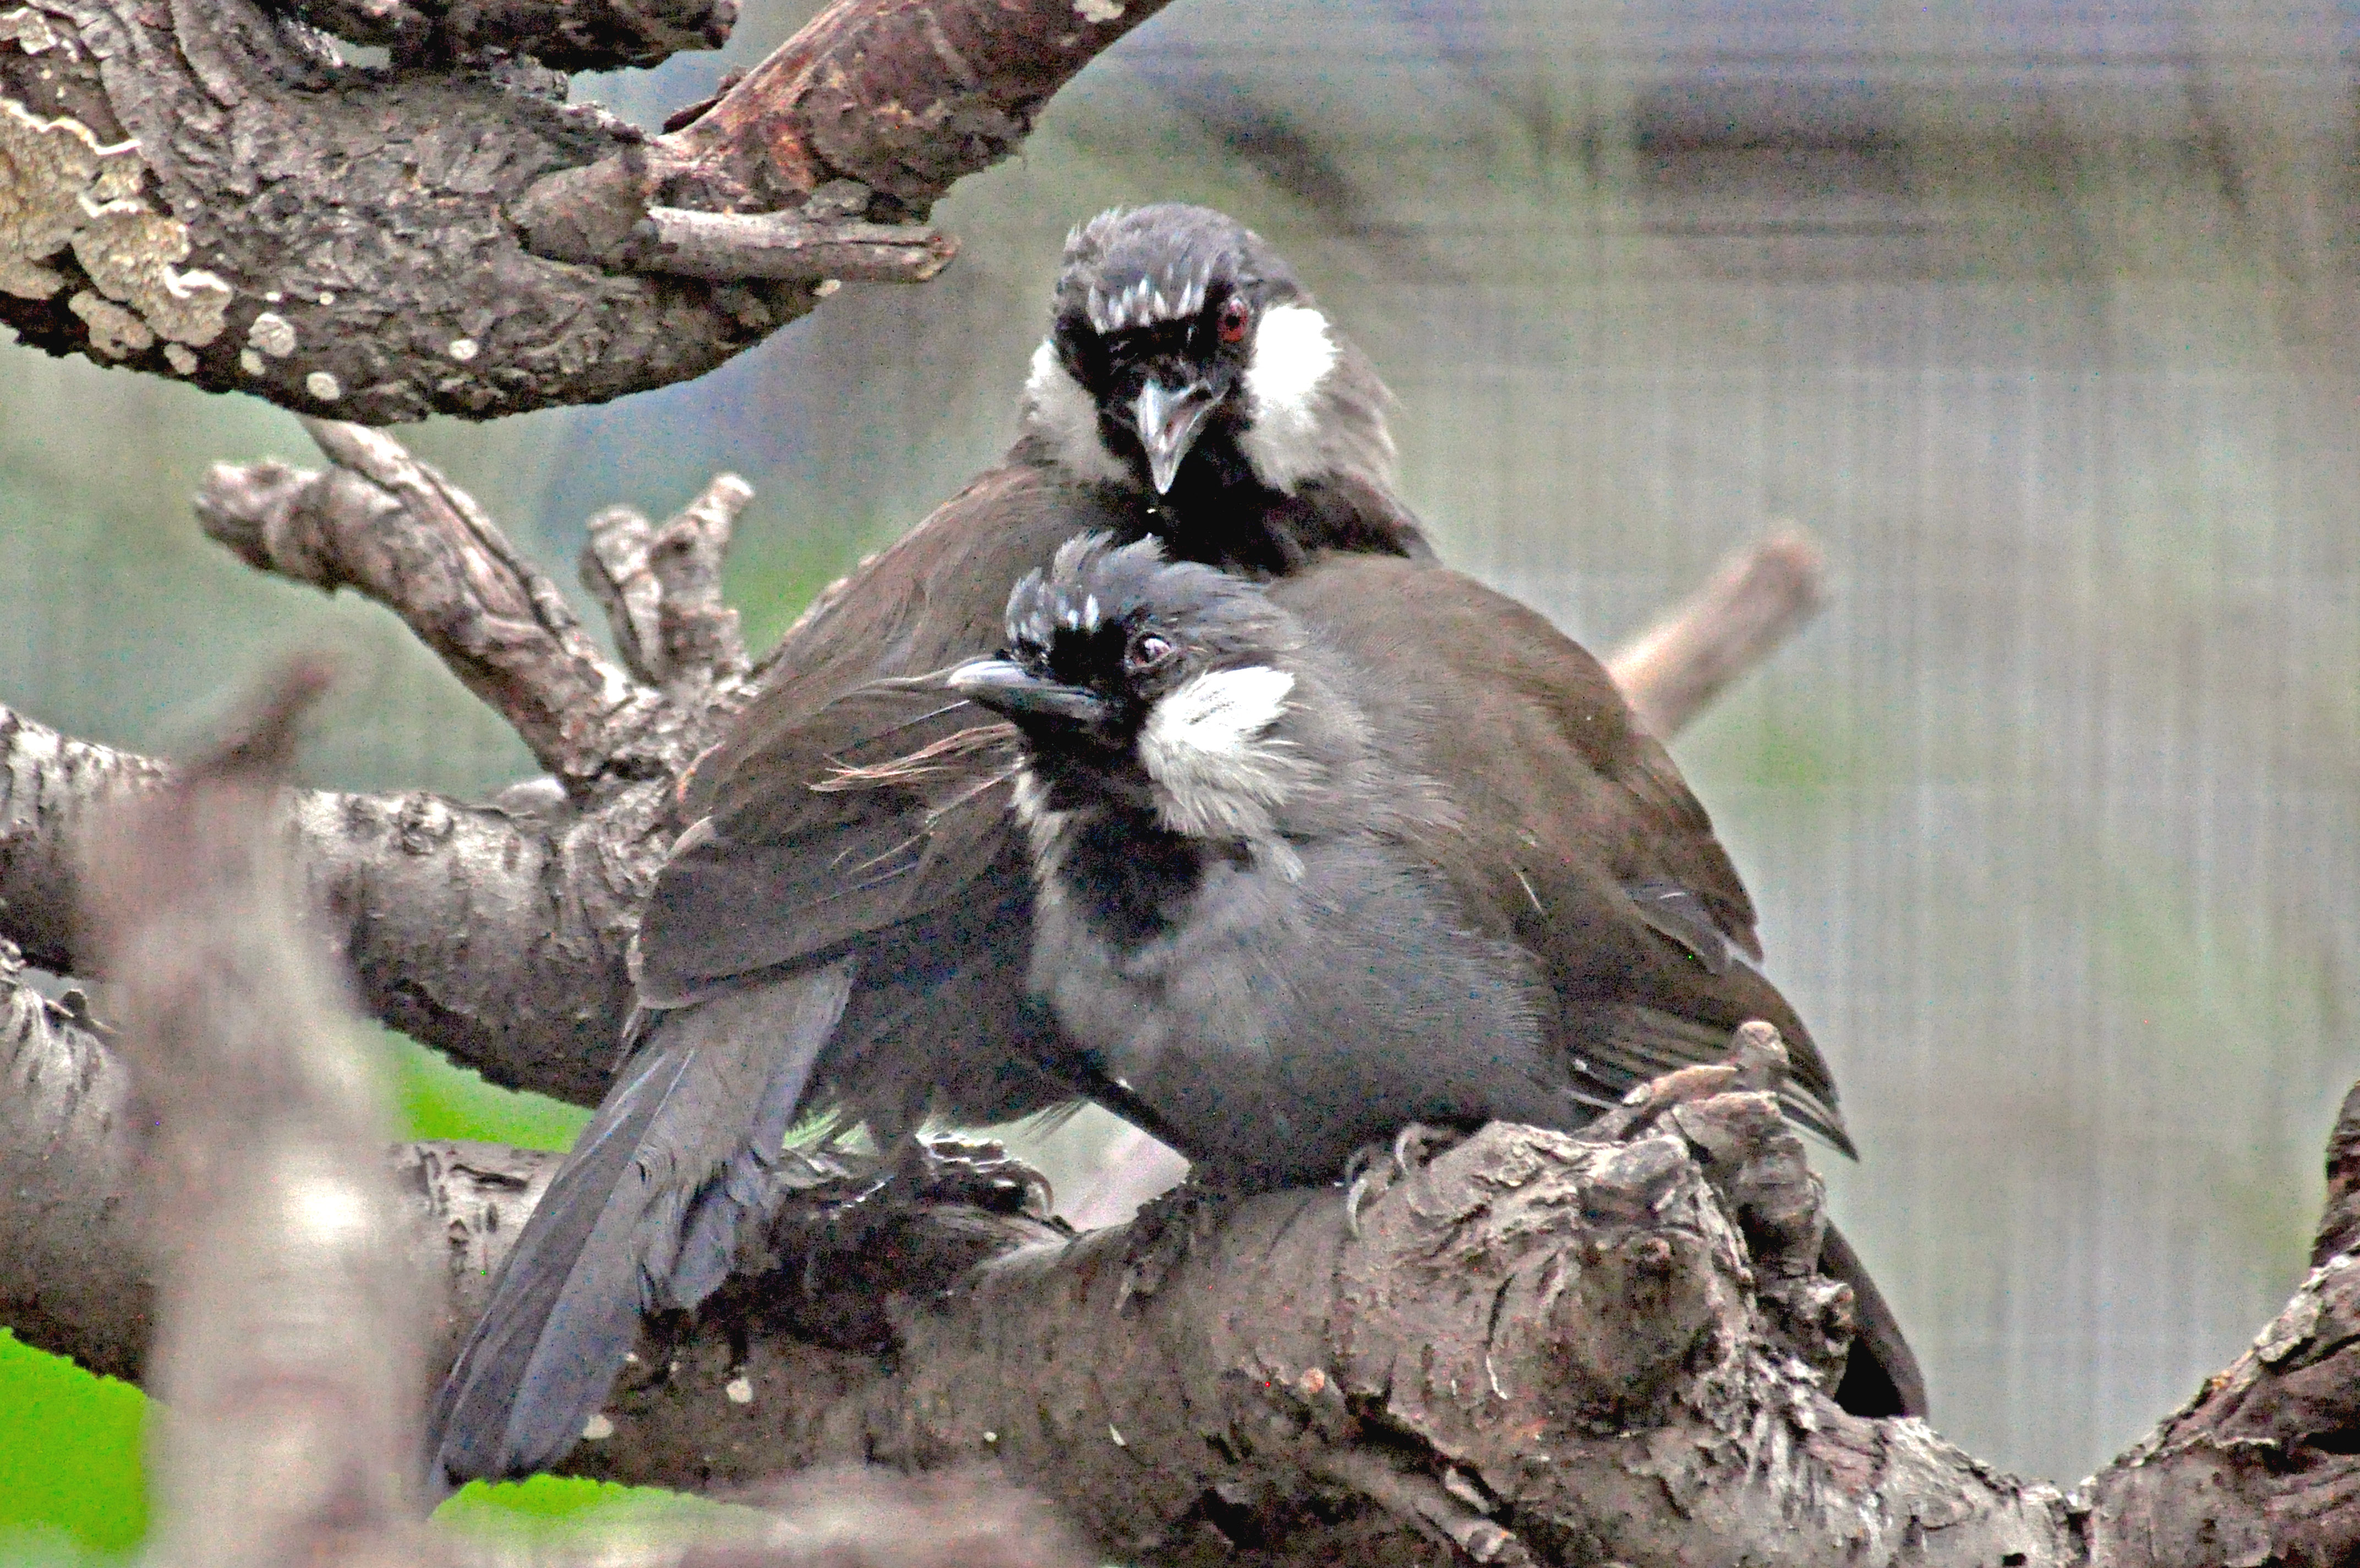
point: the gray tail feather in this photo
(1882, 1377)
(643, 1214)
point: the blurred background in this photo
(2042, 317)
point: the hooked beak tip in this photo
(1168, 424)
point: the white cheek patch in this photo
(1204, 745)
(1061, 411)
(1219, 714)
(1292, 354)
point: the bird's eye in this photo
(1147, 651)
(1230, 324)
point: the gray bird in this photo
(839, 926)
(1234, 925)
(1362, 847)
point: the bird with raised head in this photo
(1307, 875)
(837, 928)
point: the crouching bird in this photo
(1366, 846)
(841, 925)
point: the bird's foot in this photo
(925, 1170)
(1374, 1168)
(975, 1172)
(1754, 1159)
(1165, 1232)
(1756, 1064)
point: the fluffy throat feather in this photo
(1217, 770)
(1059, 409)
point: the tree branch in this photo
(390, 526)
(901, 96)
(73, 1276)
(496, 932)
(202, 190)
(292, 1347)
(1758, 599)
(1583, 1349)
(725, 245)
(661, 588)
(1534, 1349)
(565, 34)
(492, 932)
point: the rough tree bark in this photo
(1562, 1349)
(203, 190)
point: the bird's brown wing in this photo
(888, 799)
(851, 882)
(1564, 826)
(806, 837)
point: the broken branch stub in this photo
(289, 1356)
(1757, 599)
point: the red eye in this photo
(1231, 322)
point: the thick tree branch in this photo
(494, 932)
(898, 98)
(1534, 1349)
(1583, 1349)
(73, 1276)
(200, 189)
(565, 34)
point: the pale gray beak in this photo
(1008, 688)
(1168, 422)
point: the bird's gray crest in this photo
(1094, 583)
(1143, 266)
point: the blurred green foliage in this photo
(70, 1477)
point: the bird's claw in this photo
(975, 1172)
(1373, 1169)
(1756, 1064)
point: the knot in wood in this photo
(1530, 1280)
